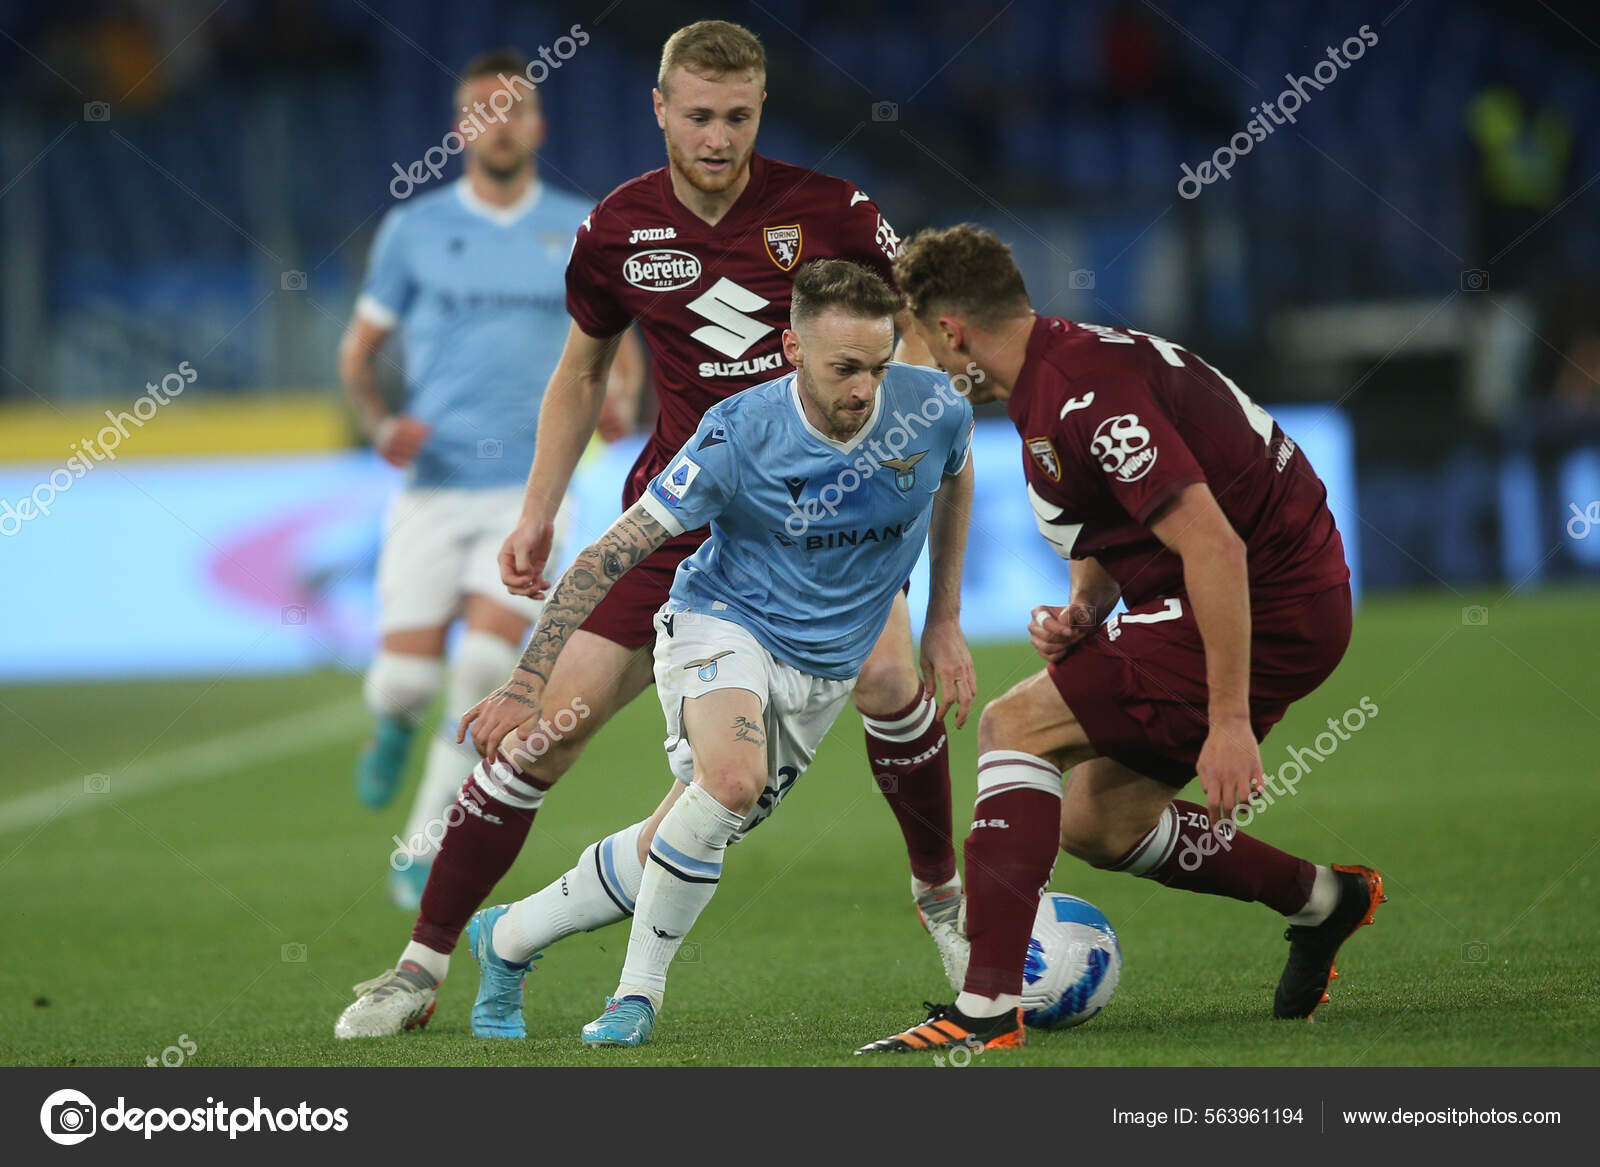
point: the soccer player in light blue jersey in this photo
(472, 275)
(820, 488)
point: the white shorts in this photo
(441, 545)
(698, 654)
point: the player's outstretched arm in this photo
(567, 419)
(946, 660)
(581, 588)
(1218, 583)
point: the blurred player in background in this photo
(759, 646)
(1172, 491)
(701, 253)
(471, 274)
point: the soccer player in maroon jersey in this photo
(702, 253)
(1172, 491)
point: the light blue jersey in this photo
(479, 294)
(810, 538)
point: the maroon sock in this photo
(1016, 831)
(910, 758)
(486, 836)
(1182, 851)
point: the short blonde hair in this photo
(712, 49)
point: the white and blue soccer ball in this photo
(1073, 963)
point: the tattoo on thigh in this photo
(745, 730)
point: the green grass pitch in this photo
(139, 920)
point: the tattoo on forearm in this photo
(745, 730)
(584, 584)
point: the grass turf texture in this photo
(165, 915)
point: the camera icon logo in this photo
(885, 111)
(491, 448)
(1081, 279)
(292, 953)
(97, 111)
(1474, 279)
(688, 954)
(1475, 616)
(97, 783)
(293, 281)
(68, 1117)
(293, 614)
(1475, 952)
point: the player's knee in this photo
(401, 684)
(1000, 727)
(735, 787)
(1083, 836)
(887, 683)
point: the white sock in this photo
(437, 963)
(446, 768)
(679, 881)
(482, 661)
(1324, 898)
(977, 1007)
(401, 684)
(599, 890)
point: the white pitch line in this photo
(284, 738)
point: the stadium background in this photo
(1405, 276)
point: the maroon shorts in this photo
(627, 613)
(1138, 685)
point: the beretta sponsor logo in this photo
(664, 270)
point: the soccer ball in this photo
(1073, 963)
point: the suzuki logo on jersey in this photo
(652, 234)
(1122, 447)
(905, 469)
(666, 270)
(783, 245)
(674, 483)
(1044, 453)
(732, 330)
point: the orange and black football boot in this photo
(947, 1028)
(1312, 948)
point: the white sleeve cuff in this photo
(375, 312)
(965, 458)
(661, 512)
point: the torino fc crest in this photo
(783, 245)
(1044, 453)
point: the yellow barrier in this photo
(192, 426)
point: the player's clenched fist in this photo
(1054, 631)
(397, 439)
(523, 556)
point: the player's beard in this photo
(505, 170)
(839, 423)
(684, 164)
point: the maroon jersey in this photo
(1115, 422)
(712, 301)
